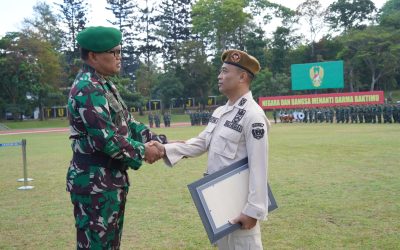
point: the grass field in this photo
(63, 122)
(337, 187)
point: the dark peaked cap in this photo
(242, 60)
(99, 38)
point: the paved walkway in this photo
(51, 130)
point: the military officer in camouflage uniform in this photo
(360, 114)
(106, 141)
(379, 113)
(236, 130)
(274, 113)
(165, 119)
(150, 116)
(157, 120)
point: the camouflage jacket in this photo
(101, 124)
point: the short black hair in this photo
(250, 76)
(84, 54)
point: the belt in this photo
(99, 158)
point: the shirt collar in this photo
(86, 68)
(242, 102)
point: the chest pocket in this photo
(209, 133)
(227, 143)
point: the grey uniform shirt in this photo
(233, 133)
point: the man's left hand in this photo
(247, 222)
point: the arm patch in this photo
(258, 133)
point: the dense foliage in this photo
(172, 48)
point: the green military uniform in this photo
(191, 116)
(167, 119)
(157, 120)
(360, 114)
(106, 141)
(274, 115)
(396, 114)
(379, 113)
(151, 120)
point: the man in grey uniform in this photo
(236, 130)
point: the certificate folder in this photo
(221, 196)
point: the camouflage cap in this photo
(242, 60)
(99, 38)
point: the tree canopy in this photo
(172, 48)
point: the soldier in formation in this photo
(199, 117)
(167, 119)
(157, 120)
(151, 119)
(386, 113)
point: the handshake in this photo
(154, 151)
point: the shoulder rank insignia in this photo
(242, 102)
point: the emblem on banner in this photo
(316, 75)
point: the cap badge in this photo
(235, 57)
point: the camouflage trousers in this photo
(99, 219)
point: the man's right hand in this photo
(153, 151)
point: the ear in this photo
(243, 76)
(93, 56)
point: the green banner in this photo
(321, 75)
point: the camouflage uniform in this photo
(157, 120)
(150, 120)
(191, 116)
(274, 114)
(106, 141)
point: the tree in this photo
(174, 22)
(311, 11)
(168, 86)
(265, 84)
(73, 16)
(282, 42)
(148, 42)
(390, 14)
(30, 69)
(43, 25)
(73, 20)
(264, 11)
(255, 45)
(15, 73)
(389, 8)
(195, 72)
(124, 12)
(146, 76)
(220, 23)
(378, 49)
(349, 14)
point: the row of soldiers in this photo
(155, 119)
(386, 113)
(199, 117)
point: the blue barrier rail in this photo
(11, 144)
(25, 179)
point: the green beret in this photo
(99, 39)
(242, 60)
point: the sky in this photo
(13, 12)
